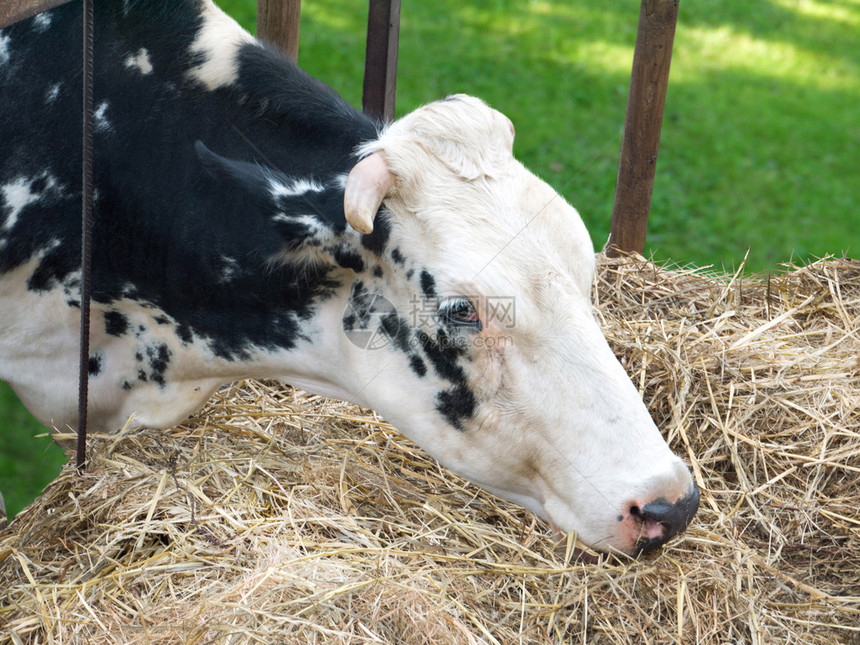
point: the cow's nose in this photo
(660, 520)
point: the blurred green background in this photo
(760, 149)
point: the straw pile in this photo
(278, 517)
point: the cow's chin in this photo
(530, 504)
(561, 523)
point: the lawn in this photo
(760, 147)
(27, 463)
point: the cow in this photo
(250, 223)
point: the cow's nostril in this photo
(674, 516)
(662, 520)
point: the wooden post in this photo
(278, 23)
(645, 103)
(380, 61)
(11, 11)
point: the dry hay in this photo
(276, 517)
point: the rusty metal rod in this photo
(86, 231)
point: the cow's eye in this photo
(460, 312)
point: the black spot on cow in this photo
(359, 305)
(418, 365)
(184, 333)
(376, 241)
(456, 404)
(443, 354)
(397, 329)
(368, 309)
(94, 365)
(52, 268)
(428, 284)
(348, 259)
(397, 256)
(377, 271)
(116, 324)
(159, 359)
(127, 386)
(162, 320)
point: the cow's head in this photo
(465, 319)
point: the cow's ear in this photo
(240, 174)
(298, 211)
(463, 132)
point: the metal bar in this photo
(380, 62)
(278, 23)
(86, 231)
(11, 11)
(645, 103)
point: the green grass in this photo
(761, 140)
(760, 147)
(27, 463)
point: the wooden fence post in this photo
(645, 102)
(278, 23)
(11, 11)
(380, 61)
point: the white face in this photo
(496, 364)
